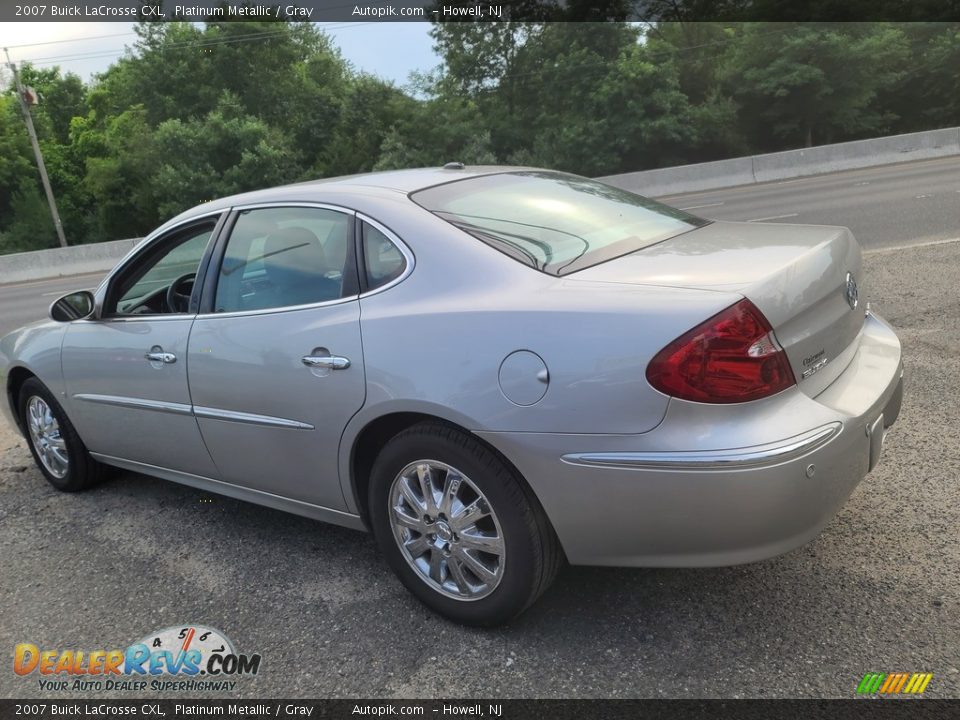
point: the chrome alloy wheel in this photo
(45, 435)
(446, 530)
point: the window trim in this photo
(210, 286)
(408, 256)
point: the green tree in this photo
(454, 135)
(24, 211)
(928, 93)
(62, 97)
(586, 98)
(224, 153)
(120, 159)
(371, 110)
(16, 158)
(31, 227)
(942, 59)
(507, 76)
(814, 83)
(287, 74)
(697, 50)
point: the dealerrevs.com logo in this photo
(180, 658)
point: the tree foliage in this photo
(814, 82)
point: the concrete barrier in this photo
(56, 262)
(686, 178)
(791, 163)
(857, 154)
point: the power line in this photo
(69, 40)
(175, 45)
(181, 45)
(132, 34)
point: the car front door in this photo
(126, 370)
(275, 358)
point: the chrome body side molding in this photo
(200, 412)
(249, 418)
(136, 403)
(756, 456)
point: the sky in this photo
(389, 50)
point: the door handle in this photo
(160, 357)
(330, 362)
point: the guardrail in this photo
(100, 257)
(791, 163)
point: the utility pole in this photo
(28, 118)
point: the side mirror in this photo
(73, 306)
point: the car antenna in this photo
(453, 166)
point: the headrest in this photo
(295, 248)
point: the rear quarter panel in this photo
(437, 340)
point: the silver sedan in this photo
(494, 369)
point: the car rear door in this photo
(126, 371)
(275, 358)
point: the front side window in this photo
(383, 262)
(282, 257)
(554, 222)
(144, 288)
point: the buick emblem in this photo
(853, 298)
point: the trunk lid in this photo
(797, 275)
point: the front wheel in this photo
(460, 529)
(57, 449)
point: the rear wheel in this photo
(460, 529)
(57, 449)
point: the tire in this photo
(55, 429)
(516, 548)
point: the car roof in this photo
(409, 181)
(386, 183)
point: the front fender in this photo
(34, 349)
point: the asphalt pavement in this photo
(22, 303)
(878, 591)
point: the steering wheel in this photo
(178, 294)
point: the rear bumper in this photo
(717, 485)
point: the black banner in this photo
(914, 709)
(476, 11)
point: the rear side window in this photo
(282, 257)
(383, 262)
(554, 222)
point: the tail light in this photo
(730, 358)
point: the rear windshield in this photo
(554, 222)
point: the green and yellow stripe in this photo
(894, 683)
